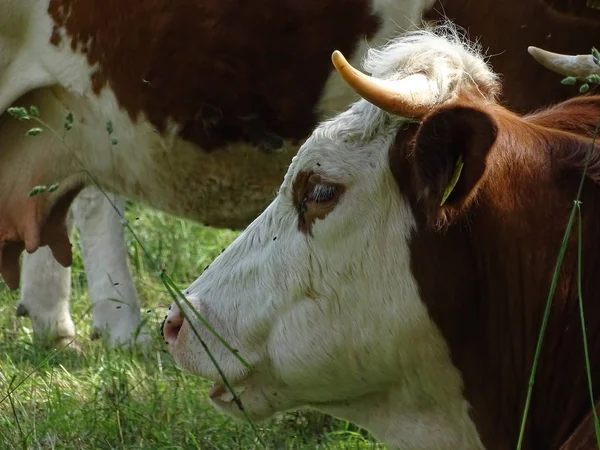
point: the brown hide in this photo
(506, 28)
(225, 71)
(485, 275)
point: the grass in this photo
(118, 399)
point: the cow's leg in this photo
(45, 290)
(115, 305)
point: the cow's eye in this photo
(322, 193)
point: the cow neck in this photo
(486, 278)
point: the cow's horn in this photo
(410, 97)
(578, 66)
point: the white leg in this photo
(115, 304)
(45, 290)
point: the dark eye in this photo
(322, 193)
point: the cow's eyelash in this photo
(322, 193)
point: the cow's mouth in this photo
(219, 393)
(252, 400)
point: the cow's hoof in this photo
(22, 310)
(66, 343)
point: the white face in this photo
(326, 316)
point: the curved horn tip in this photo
(536, 51)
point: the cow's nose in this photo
(172, 324)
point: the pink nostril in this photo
(171, 326)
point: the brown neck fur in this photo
(485, 278)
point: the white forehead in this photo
(349, 145)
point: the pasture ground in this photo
(109, 399)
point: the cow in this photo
(207, 114)
(564, 26)
(399, 278)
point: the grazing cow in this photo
(400, 276)
(208, 106)
(563, 26)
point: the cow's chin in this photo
(254, 391)
(259, 401)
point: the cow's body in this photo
(357, 292)
(209, 102)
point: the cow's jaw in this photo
(405, 428)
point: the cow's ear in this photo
(449, 158)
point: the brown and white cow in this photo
(208, 104)
(361, 293)
(219, 52)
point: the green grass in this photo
(110, 399)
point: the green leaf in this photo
(452, 183)
(18, 113)
(109, 127)
(594, 78)
(584, 88)
(53, 187)
(114, 141)
(569, 81)
(33, 132)
(33, 111)
(37, 190)
(596, 55)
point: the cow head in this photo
(317, 293)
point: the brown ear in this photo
(452, 142)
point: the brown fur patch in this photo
(308, 209)
(485, 277)
(55, 38)
(506, 29)
(578, 8)
(584, 437)
(224, 71)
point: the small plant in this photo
(590, 79)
